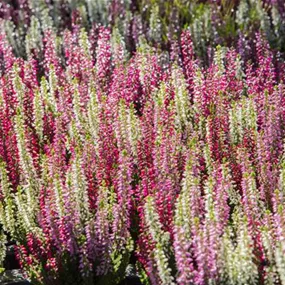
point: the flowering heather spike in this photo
(181, 98)
(26, 161)
(165, 167)
(42, 12)
(155, 25)
(99, 240)
(134, 132)
(52, 79)
(161, 240)
(8, 56)
(77, 106)
(33, 38)
(222, 189)
(103, 56)
(200, 97)
(79, 188)
(251, 199)
(51, 59)
(58, 196)
(124, 174)
(150, 73)
(93, 116)
(182, 236)
(38, 111)
(219, 59)
(26, 220)
(118, 47)
(7, 202)
(280, 261)
(267, 231)
(278, 211)
(3, 241)
(188, 207)
(188, 59)
(247, 270)
(235, 133)
(238, 259)
(18, 85)
(85, 45)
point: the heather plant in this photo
(158, 160)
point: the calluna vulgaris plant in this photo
(166, 161)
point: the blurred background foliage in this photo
(158, 23)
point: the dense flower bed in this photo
(163, 160)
